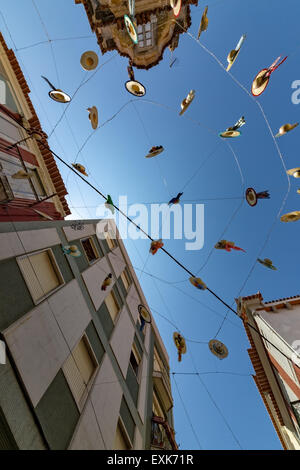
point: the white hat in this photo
(89, 60)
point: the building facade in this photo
(156, 28)
(79, 373)
(31, 187)
(273, 329)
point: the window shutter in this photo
(112, 305)
(74, 378)
(84, 361)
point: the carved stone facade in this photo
(157, 28)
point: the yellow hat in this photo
(135, 88)
(204, 23)
(285, 129)
(80, 168)
(93, 116)
(290, 217)
(22, 175)
(260, 83)
(178, 338)
(295, 172)
(218, 349)
(89, 60)
(186, 102)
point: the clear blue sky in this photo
(115, 158)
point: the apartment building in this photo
(273, 329)
(31, 187)
(79, 373)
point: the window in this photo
(37, 183)
(112, 305)
(135, 360)
(110, 241)
(121, 440)
(80, 368)
(90, 249)
(20, 188)
(125, 279)
(145, 35)
(6, 95)
(296, 410)
(156, 407)
(40, 273)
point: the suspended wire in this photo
(187, 415)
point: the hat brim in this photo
(270, 266)
(59, 96)
(144, 313)
(293, 171)
(183, 349)
(132, 33)
(290, 217)
(176, 7)
(229, 134)
(93, 117)
(84, 60)
(199, 282)
(129, 87)
(222, 355)
(155, 153)
(231, 62)
(186, 106)
(251, 197)
(257, 91)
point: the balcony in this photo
(162, 384)
(162, 436)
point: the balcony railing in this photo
(162, 435)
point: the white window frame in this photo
(55, 267)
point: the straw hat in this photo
(218, 349)
(135, 88)
(197, 282)
(267, 262)
(80, 168)
(285, 129)
(204, 23)
(228, 134)
(72, 250)
(232, 56)
(176, 5)
(144, 314)
(131, 29)
(93, 116)
(155, 152)
(89, 60)
(186, 102)
(295, 172)
(179, 342)
(56, 94)
(290, 217)
(260, 83)
(251, 197)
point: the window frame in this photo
(111, 242)
(138, 359)
(55, 268)
(83, 398)
(127, 277)
(94, 248)
(114, 320)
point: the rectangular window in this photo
(80, 368)
(90, 249)
(41, 274)
(156, 407)
(125, 279)
(121, 440)
(110, 241)
(135, 360)
(112, 305)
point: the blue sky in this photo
(115, 158)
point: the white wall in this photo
(71, 234)
(17, 243)
(122, 339)
(87, 435)
(93, 278)
(285, 322)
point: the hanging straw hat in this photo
(218, 349)
(93, 116)
(72, 250)
(267, 262)
(260, 83)
(155, 152)
(290, 217)
(80, 168)
(232, 56)
(203, 23)
(285, 129)
(135, 88)
(89, 60)
(228, 134)
(186, 102)
(295, 172)
(251, 197)
(56, 94)
(131, 29)
(176, 5)
(178, 338)
(144, 314)
(197, 282)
